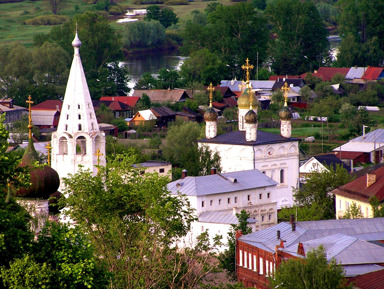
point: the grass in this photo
(13, 15)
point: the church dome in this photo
(210, 114)
(243, 101)
(250, 117)
(285, 113)
(44, 180)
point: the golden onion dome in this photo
(285, 113)
(250, 117)
(210, 114)
(243, 101)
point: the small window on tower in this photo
(78, 106)
(79, 116)
(90, 115)
(79, 127)
(66, 127)
(69, 106)
(92, 126)
(249, 197)
(67, 116)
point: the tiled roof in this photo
(221, 183)
(163, 95)
(238, 138)
(372, 73)
(129, 100)
(48, 105)
(357, 189)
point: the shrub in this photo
(143, 34)
(115, 10)
(47, 20)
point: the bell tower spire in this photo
(78, 137)
(210, 116)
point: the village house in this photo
(11, 112)
(163, 95)
(143, 117)
(46, 114)
(352, 242)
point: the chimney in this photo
(213, 171)
(184, 174)
(292, 219)
(293, 227)
(238, 234)
(371, 179)
(278, 234)
(293, 224)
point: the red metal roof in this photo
(372, 73)
(327, 73)
(230, 101)
(348, 155)
(358, 189)
(48, 105)
(372, 280)
(218, 105)
(129, 100)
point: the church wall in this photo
(270, 159)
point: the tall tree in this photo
(301, 38)
(313, 272)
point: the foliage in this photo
(47, 20)
(168, 78)
(353, 212)
(326, 107)
(318, 184)
(143, 103)
(146, 81)
(120, 209)
(120, 123)
(166, 16)
(300, 45)
(181, 149)
(377, 208)
(313, 212)
(239, 30)
(143, 34)
(227, 259)
(104, 114)
(312, 272)
(230, 113)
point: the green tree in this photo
(146, 81)
(168, 78)
(227, 259)
(165, 16)
(377, 208)
(143, 34)
(353, 212)
(144, 102)
(181, 149)
(313, 272)
(318, 184)
(104, 114)
(300, 45)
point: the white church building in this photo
(78, 140)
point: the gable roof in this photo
(331, 160)
(372, 73)
(48, 105)
(238, 138)
(162, 111)
(147, 114)
(163, 95)
(359, 190)
(221, 183)
(281, 77)
(367, 143)
(355, 73)
(129, 100)
(113, 105)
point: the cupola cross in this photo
(30, 126)
(285, 89)
(98, 154)
(211, 89)
(48, 147)
(247, 67)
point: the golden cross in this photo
(247, 68)
(211, 89)
(48, 147)
(98, 154)
(285, 89)
(30, 126)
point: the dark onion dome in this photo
(285, 113)
(210, 114)
(250, 117)
(243, 101)
(44, 180)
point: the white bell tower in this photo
(78, 140)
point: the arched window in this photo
(281, 176)
(81, 145)
(98, 143)
(63, 146)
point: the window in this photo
(254, 263)
(269, 217)
(92, 126)
(229, 200)
(202, 228)
(63, 146)
(262, 218)
(240, 257)
(235, 200)
(245, 259)
(219, 201)
(79, 116)
(249, 197)
(263, 172)
(261, 272)
(281, 176)
(78, 106)
(266, 268)
(79, 128)
(81, 146)
(260, 196)
(270, 268)
(66, 127)
(340, 204)
(210, 203)
(67, 116)
(90, 115)
(250, 261)
(161, 170)
(366, 212)
(268, 195)
(69, 106)
(202, 204)
(346, 205)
